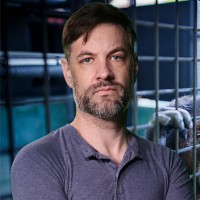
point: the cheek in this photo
(76, 85)
(80, 85)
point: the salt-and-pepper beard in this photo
(108, 109)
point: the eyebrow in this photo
(85, 53)
(117, 49)
(88, 53)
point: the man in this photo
(96, 157)
(170, 120)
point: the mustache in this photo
(105, 84)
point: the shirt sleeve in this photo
(37, 175)
(180, 186)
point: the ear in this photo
(135, 66)
(67, 72)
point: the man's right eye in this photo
(86, 60)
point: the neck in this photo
(108, 137)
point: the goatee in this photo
(109, 108)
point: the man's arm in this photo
(180, 186)
(36, 176)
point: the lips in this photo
(105, 89)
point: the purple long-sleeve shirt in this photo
(63, 166)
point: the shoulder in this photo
(42, 165)
(158, 154)
(53, 142)
(151, 146)
(48, 151)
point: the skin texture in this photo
(101, 73)
(108, 65)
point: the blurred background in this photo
(34, 99)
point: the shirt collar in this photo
(133, 150)
(89, 152)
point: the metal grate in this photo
(176, 60)
(155, 60)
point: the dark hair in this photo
(83, 21)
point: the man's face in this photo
(101, 72)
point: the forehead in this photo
(105, 35)
(106, 28)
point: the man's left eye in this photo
(116, 57)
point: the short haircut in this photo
(83, 21)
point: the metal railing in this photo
(47, 66)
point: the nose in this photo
(104, 71)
